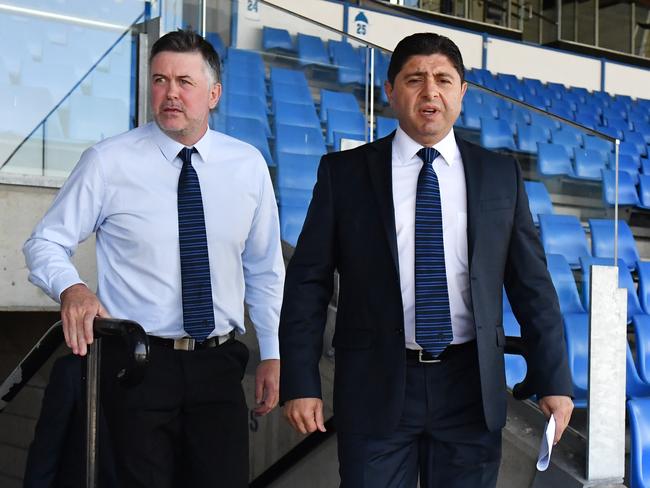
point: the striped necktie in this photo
(198, 312)
(432, 317)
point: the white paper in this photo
(546, 445)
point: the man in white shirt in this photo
(425, 230)
(187, 231)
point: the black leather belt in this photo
(190, 344)
(420, 356)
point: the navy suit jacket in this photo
(350, 227)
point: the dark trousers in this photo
(185, 424)
(441, 437)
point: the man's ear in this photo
(215, 95)
(388, 88)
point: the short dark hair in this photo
(424, 43)
(188, 41)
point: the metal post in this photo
(632, 26)
(92, 405)
(371, 126)
(509, 13)
(616, 147)
(575, 20)
(204, 18)
(559, 19)
(596, 23)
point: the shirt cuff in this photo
(269, 347)
(63, 282)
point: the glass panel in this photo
(66, 80)
(614, 24)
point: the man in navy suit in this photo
(406, 409)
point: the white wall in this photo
(627, 80)
(250, 23)
(387, 30)
(543, 64)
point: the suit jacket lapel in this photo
(473, 177)
(381, 176)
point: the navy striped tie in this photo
(432, 317)
(198, 312)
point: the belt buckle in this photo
(184, 344)
(428, 361)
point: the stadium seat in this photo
(349, 123)
(93, 119)
(603, 146)
(643, 268)
(245, 63)
(473, 113)
(296, 94)
(243, 85)
(576, 334)
(350, 67)
(528, 136)
(630, 149)
(292, 217)
(641, 324)
(299, 140)
(639, 414)
(538, 199)
(250, 131)
(311, 51)
(626, 190)
(287, 76)
(624, 281)
(217, 43)
(337, 101)
(553, 160)
(588, 164)
(563, 234)
(602, 241)
(385, 125)
(533, 85)
(295, 114)
(565, 284)
(614, 132)
(296, 171)
(496, 134)
(627, 164)
(276, 40)
(246, 106)
(590, 120)
(547, 123)
(639, 141)
(644, 191)
(567, 137)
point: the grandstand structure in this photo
(301, 79)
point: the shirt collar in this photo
(170, 148)
(407, 149)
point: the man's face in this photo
(182, 95)
(426, 97)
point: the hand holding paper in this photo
(546, 445)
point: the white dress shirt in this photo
(125, 189)
(406, 165)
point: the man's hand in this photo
(267, 386)
(305, 414)
(561, 408)
(79, 307)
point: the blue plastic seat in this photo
(638, 140)
(245, 63)
(602, 241)
(553, 160)
(385, 125)
(617, 122)
(603, 146)
(567, 137)
(473, 113)
(528, 136)
(496, 105)
(299, 140)
(563, 234)
(296, 171)
(581, 92)
(351, 68)
(643, 128)
(292, 218)
(287, 76)
(332, 100)
(350, 123)
(641, 325)
(295, 114)
(590, 120)
(538, 199)
(624, 281)
(496, 134)
(643, 268)
(576, 334)
(626, 190)
(234, 84)
(217, 43)
(246, 106)
(610, 131)
(644, 191)
(639, 414)
(311, 50)
(627, 164)
(287, 93)
(276, 40)
(251, 131)
(614, 112)
(539, 101)
(630, 149)
(565, 284)
(588, 164)
(547, 123)
(533, 85)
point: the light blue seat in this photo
(643, 268)
(576, 334)
(627, 194)
(287, 93)
(217, 43)
(553, 160)
(644, 191)
(563, 234)
(238, 86)
(588, 164)
(385, 125)
(246, 106)
(496, 134)
(473, 113)
(624, 281)
(639, 141)
(276, 40)
(641, 324)
(251, 131)
(93, 119)
(350, 67)
(590, 120)
(292, 218)
(547, 123)
(244, 63)
(601, 145)
(538, 199)
(299, 140)
(602, 241)
(528, 136)
(296, 114)
(311, 50)
(296, 171)
(639, 414)
(567, 137)
(332, 100)
(565, 284)
(627, 164)
(349, 123)
(288, 76)
(533, 85)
